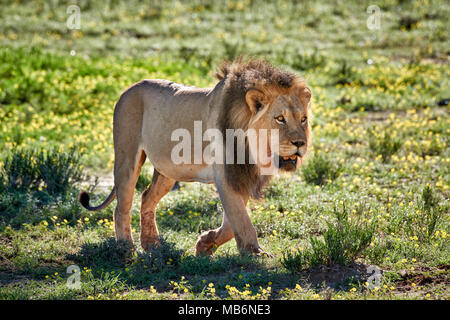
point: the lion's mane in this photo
(238, 78)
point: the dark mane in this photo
(240, 76)
(254, 73)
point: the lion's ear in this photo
(304, 95)
(255, 100)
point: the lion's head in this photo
(259, 96)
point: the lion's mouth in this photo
(288, 163)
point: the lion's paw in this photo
(256, 251)
(206, 243)
(261, 253)
(150, 242)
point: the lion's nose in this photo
(299, 143)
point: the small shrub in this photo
(343, 242)
(345, 74)
(161, 257)
(296, 260)
(33, 170)
(429, 200)
(58, 170)
(17, 208)
(408, 22)
(321, 169)
(383, 144)
(424, 223)
(108, 254)
(307, 61)
(19, 171)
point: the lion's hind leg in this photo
(159, 187)
(126, 173)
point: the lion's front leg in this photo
(234, 205)
(209, 241)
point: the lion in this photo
(250, 94)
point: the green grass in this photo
(343, 242)
(373, 190)
(321, 169)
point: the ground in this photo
(365, 218)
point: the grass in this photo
(373, 190)
(31, 170)
(321, 169)
(341, 245)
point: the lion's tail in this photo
(83, 198)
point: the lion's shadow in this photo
(166, 262)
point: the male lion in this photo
(250, 94)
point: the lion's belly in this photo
(186, 173)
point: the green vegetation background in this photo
(373, 191)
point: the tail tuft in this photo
(83, 198)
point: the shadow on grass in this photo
(165, 262)
(162, 263)
(112, 265)
(108, 255)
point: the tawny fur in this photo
(249, 95)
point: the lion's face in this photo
(289, 114)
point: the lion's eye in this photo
(280, 119)
(304, 119)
